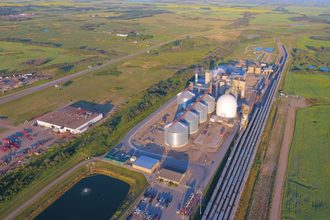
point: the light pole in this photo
(203, 186)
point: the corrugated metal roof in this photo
(190, 116)
(208, 98)
(199, 106)
(171, 175)
(185, 96)
(176, 127)
(146, 162)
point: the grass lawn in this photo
(307, 189)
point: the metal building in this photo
(184, 98)
(210, 101)
(146, 164)
(201, 109)
(176, 134)
(192, 120)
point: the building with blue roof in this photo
(269, 49)
(324, 69)
(146, 164)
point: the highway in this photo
(28, 91)
(226, 195)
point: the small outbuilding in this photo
(168, 175)
(146, 164)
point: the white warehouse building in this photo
(69, 119)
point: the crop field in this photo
(306, 194)
(307, 189)
(309, 85)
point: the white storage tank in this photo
(227, 106)
(176, 134)
(201, 109)
(210, 101)
(192, 120)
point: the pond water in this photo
(94, 197)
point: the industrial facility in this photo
(194, 131)
(213, 104)
(224, 91)
(69, 119)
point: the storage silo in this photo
(192, 120)
(184, 98)
(201, 109)
(176, 134)
(210, 101)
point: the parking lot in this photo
(19, 143)
(152, 204)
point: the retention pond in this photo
(94, 197)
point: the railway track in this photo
(226, 195)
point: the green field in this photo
(306, 194)
(307, 185)
(309, 85)
(132, 77)
(211, 28)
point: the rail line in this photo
(226, 195)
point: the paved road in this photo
(43, 191)
(127, 140)
(225, 198)
(28, 91)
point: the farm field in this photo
(307, 189)
(309, 85)
(306, 194)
